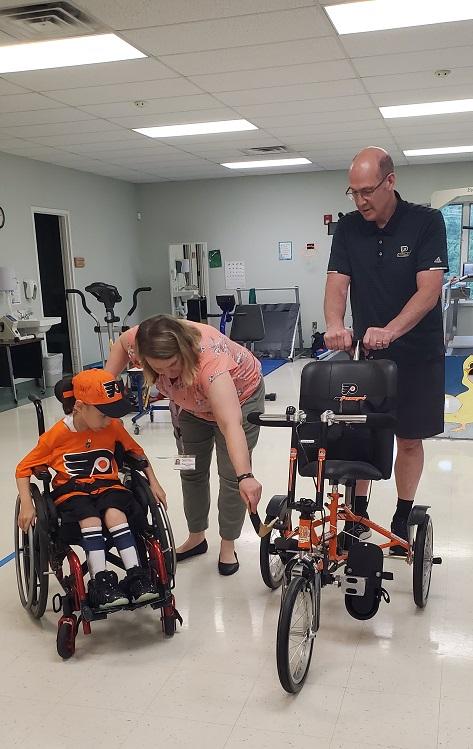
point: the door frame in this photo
(69, 278)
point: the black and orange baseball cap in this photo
(99, 388)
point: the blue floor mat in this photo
(269, 365)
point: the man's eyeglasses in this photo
(365, 192)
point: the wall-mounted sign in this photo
(285, 250)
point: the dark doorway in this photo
(51, 274)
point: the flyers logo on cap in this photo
(112, 388)
(88, 464)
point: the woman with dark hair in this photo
(215, 383)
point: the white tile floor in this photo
(402, 679)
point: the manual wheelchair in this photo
(343, 432)
(44, 548)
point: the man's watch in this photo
(245, 476)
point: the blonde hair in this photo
(162, 337)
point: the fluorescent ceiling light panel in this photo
(64, 53)
(438, 151)
(196, 128)
(377, 15)
(427, 108)
(261, 164)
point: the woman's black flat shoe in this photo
(194, 552)
(228, 569)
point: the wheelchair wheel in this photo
(297, 624)
(423, 560)
(31, 561)
(161, 523)
(270, 563)
(66, 636)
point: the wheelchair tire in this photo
(423, 560)
(66, 637)
(270, 562)
(160, 520)
(31, 560)
(296, 622)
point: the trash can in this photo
(52, 366)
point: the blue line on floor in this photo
(7, 559)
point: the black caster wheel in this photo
(169, 625)
(66, 636)
(136, 430)
(151, 417)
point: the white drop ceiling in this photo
(278, 63)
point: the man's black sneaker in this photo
(139, 585)
(399, 528)
(352, 532)
(104, 591)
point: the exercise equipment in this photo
(282, 323)
(109, 296)
(226, 302)
(248, 328)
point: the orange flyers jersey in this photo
(84, 457)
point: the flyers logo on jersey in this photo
(88, 464)
(112, 388)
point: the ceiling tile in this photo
(124, 92)
(289, 75)
(40, 116)
(288, 93)
(106, 73)
(414, 96)
(409, 62)
(122, 14)
(413, 39)
(322, 106)
(352, 121)
(238, 31)
(256, 56)
(7, 88)
(26, 102)
(420, 81)
(63, 128)
(107, 136)
(154, 106)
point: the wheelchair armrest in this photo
(135, 461)
(41, 473)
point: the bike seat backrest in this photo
(349, 387)
(105, 293)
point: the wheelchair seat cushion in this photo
(342, 471)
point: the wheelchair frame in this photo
(306, 558)
(41, 552)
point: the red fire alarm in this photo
(327, 219)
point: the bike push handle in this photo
(375, 420)
(274, 420)
(39, 411)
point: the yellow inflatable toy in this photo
(459, 408)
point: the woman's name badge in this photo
(184, 463)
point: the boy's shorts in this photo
(82, 506)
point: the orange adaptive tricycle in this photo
(343, 432)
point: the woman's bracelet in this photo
(245, 476)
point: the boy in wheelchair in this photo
(86, 488)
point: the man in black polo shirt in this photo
(392, 255)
